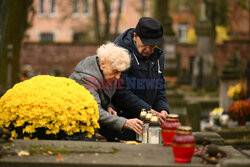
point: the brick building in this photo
(69, 20)
(65, 22)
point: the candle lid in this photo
(172, 117)
(148, 117)
(143, 113)
(154, 121)
(184, 129)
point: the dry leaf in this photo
(23, 153)
(50, 152)
(131, 142)
(59, 158)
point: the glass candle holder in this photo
(224, 119)
(183, 144)
(169, 128)
(154, 131)
(142, 118)
(145, 127)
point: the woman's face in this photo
(110, 74)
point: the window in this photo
(182, 33)
(78, 37)
(41, 8)
(86, 7)
(75, 8)
(52, 8)
(46, 37)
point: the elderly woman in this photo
(99, 75)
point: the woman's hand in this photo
(134, 124)
(111, 111)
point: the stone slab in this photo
(234, 132)
(235, 163)
(82, 153)
(213, 137)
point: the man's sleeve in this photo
(106, 119)
(161, 102)
(127, 100)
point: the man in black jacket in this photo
(143, 83)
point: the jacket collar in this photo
(126, 40)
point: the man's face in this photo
(110, 74)
(144, 50)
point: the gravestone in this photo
(230, 76)
(203, 61)
(170, 52)
(248, 78)
(169, 46)
(194, 115)
(44, 153)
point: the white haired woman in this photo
(99, 75)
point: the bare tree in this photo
(96, 20)
(13, 24)
(118, 16)
(107, 5)
(161, 13)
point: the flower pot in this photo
(242, 122)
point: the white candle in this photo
(154, 140)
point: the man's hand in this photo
(164, 113)
(134, 124)
(161, 116)
(111, 111)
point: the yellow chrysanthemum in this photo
(231, 91)
(191, 36)
(235, 91)
(56, 104)
(222, 34)
(216, 112)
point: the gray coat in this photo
(88, 74)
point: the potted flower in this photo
(240, 111)
(47, 107)
(214, 116)
(237, 91)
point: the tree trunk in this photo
(161, 10)
(143, 9)
(118, 17)
(106, 4)
(96, 19)
(3, 20)
(161, 13)
(12, 32)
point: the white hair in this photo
(115, 56)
